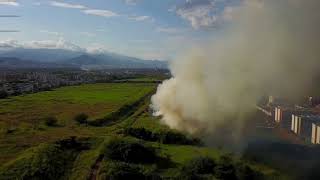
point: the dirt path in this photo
(95, 168)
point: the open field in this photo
(26, 150)
(23, 115)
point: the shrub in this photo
(120, 170)
(47, 161)
(130, 152)
(81, 118)
(165, 137)
(245, 172)
(199, 165)
(51, 121)
(225, 168)
(3, 94)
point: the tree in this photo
(81, 118)
(51, 121)
(3, 94)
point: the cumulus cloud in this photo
(204, 13)
(9, 2)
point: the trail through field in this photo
(95, 168)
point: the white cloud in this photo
(9, 2)
(9, 44)
(100, 12)
(140, 18)
(206, 13)
(199, 15)
(67, 5)
(44, 44)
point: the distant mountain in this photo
(41, 55)
(23, 58)
(103, 61)
(16, 63)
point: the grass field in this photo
(25, 114)
(28, 149)
(96, 100)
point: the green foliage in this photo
(51, 121)
(199, 165)
(48, 161)
(130, 152)
(163, 136)
(225, 168)
(3, 94)
(123, 112)
(115, 170)
(81, 118)
(245, 172)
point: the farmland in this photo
(80, 151)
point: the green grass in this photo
(96, 100)
(24, 114)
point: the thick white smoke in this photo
(270, 46)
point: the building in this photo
(315, 133)
(282, 116)
(306, 126)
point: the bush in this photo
(130, 152)
(47, 161)
(3, 94)
(51, 121)
(199, 165)
(120, 170)
(165, 137)
(225, 168)
(81, 118)
(245, 172)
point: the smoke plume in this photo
(270, 46)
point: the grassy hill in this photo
(84, 151)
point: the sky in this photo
(148, 29)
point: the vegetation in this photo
(126, 143)
(163, 136)
(22, 117)
(130, 152)
(3, 94)
(199, 165)
(51, 121)
(81, 118)
(47, 161)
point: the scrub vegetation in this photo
(106, 131)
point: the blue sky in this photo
(149, 29)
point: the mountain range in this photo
(18, 58)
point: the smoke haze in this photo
(270, 46)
